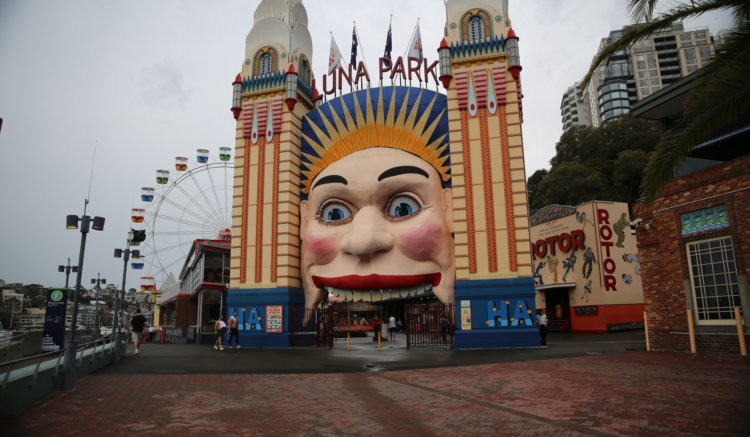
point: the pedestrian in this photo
(541, 321)
(136, 324)
(392, 328)
(400, 325)
(151, 332)
(234, 330)
(444, 325)
(220, 328)
(376, 324)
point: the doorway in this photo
(558, 309)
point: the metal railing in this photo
(34, 363)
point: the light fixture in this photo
(290, 93)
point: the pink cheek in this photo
(319, 249)
(422, 240)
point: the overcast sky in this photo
(143, 81)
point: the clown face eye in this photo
(402, 205)
(334, 212)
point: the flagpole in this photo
(359, 44)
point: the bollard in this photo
(691, 331)
(740, 331)
(348, 341)
(163, 335)
(645, 329)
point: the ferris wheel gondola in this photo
(192, 205)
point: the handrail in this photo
(21, 335)
(43, 354)
(9, 366)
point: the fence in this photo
(311, 327)
(429, 325)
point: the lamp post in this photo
(98, 281)
(97, 223)
(67, 269)
(134, 237)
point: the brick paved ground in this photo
(635, 393)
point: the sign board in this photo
(54, 319)
(274, 318)
(466, 319)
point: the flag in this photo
(334, 58)
(355, 43)
(415, 46)
(388, 44)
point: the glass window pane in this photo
(713, 274)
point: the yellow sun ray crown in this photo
(405, 126)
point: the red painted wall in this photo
(606, 315)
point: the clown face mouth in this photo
(375, 288)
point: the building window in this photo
(476, 28)
(713, 275)
(641, 62)
(304, 69)
(705, 53)
(265, 64)
(690, 56)
(475, 25)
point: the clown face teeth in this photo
(380, 295)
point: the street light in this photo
(135, 237)
(67, 269)
(97, 223)
(98, 281)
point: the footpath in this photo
(600, 385)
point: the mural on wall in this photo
(569, 264)
(619, 228)
(590, 248)
(581, 218)
(538, 278)
(633, 258)
(552, 263)
(377, 220)
(588, 262)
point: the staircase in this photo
(558, 325)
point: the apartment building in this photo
(637, 72)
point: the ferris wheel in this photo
(190, 203)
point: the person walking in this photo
(541, 321)
(392, 328)
(234, 330)
(136, 324)
(151, 332)
(444, 325)
(220, 328)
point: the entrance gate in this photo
(429, 325)
(316, 332)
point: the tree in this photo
(9, 309)
(603, 163)
(720, 91)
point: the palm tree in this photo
(720, 92)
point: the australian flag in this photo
(355, 43)
(388, 45)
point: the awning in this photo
(557, 286)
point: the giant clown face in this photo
(377, 224)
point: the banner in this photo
(54, 319)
